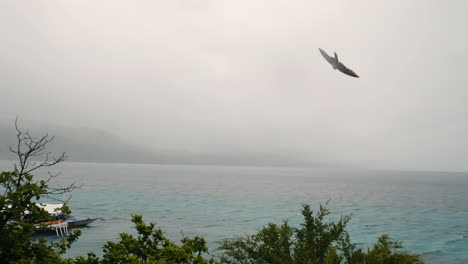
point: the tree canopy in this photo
(316, 241)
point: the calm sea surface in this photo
(428, 211)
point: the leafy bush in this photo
(19, 214)
(150, 246)
(314, 242)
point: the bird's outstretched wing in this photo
(330, 60)
(347, 71)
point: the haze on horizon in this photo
(242, 76)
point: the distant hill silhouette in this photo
(95, 145)
(80, 144)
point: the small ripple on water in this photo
(455, 240)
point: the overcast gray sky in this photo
(246, 76)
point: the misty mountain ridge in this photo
(80, 144)
(96, 145)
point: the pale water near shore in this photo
(428, 211)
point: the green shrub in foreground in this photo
(314, 242)
(150, 246)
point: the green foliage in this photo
(316, 241)
(19, 217)
(273, 244)
(385, 251)
(150, 246)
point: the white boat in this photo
(60, 221)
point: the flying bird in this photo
(337, 64)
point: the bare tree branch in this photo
(32, 156)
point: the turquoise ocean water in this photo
(428, 211)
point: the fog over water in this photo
(234, 77)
